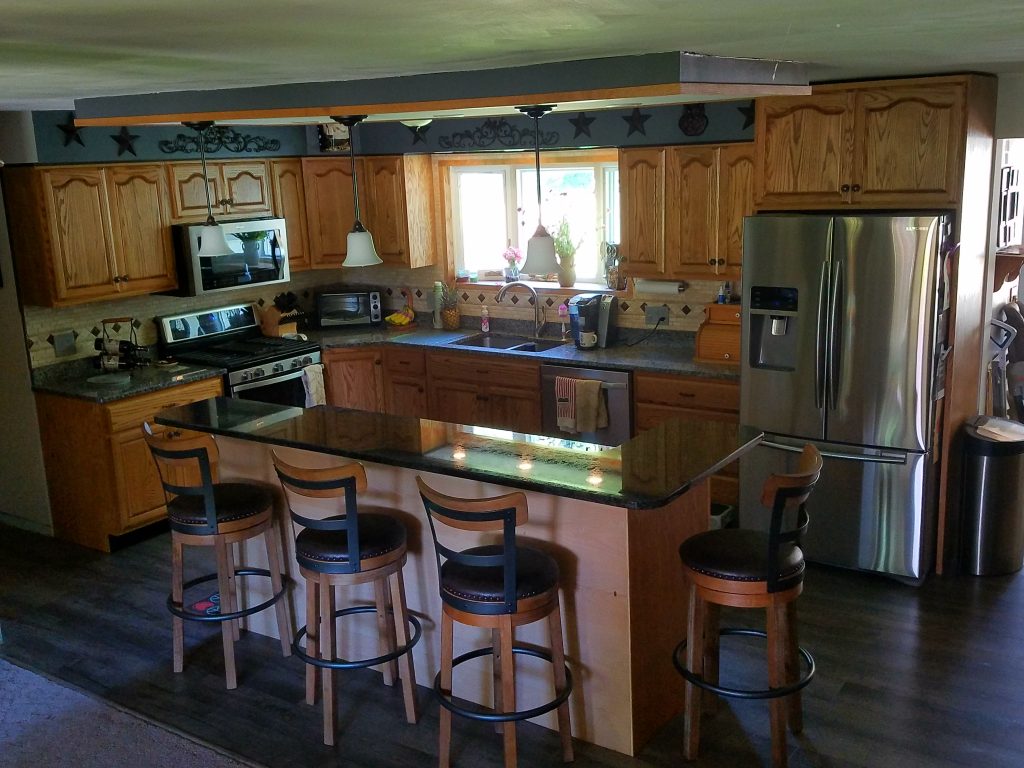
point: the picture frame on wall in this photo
(333, 137)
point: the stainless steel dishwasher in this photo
(615, 388)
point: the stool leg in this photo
(558, 663)
(227, 627)
(177, 598)
(795, 700)
(776, 677)
(711, 615)
(327, 652)
(508, 688)
(445, 718)
(695, 664)
(312, 633)
(405, 662)
(284, 629)
(496, 675)
(231, 598)
(385, 631)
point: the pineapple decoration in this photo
(449, 307)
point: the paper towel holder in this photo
(660, 286)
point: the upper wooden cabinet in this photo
(244, 185)
(85, 233)
(874, 145)
(330, 210)
(683, 208)
(290, 205)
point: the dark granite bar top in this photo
(645, 472)
(81, 379)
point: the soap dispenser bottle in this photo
(485, 320)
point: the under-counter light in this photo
(596, 477)
(526, 464)
(459, 453)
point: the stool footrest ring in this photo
(477, 713)
(358, 663)
(190, 615)
(743, 693)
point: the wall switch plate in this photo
(64, 343)
(653, 314)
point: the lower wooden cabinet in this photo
(405, 382)
(102, 481)
(487, 391)
(354, 378)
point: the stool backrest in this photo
(496, 513)
(783, 493)
(188, 467)
(342, 483)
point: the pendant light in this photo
(360, 251)
(540, 250)
(211, 237)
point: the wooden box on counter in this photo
(718, 338)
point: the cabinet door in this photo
(909, 145)
(513, 408)
(140, 494)
(188, 195)
(80, 237)
(642, 191)
(355, 379)
(290, 205)
(691, 196)
(803, 150)
(406, 396)
(735, 200)
(384, 207)
(456, 401)
(140, 221)
(330, 211)
(247, 184)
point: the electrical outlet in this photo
(653, 314)
(64, 343)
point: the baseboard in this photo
(46, 529)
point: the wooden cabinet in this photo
(484, 390)
(101, 478)
(87, 233)
(718, 338)
(290, 205)
(330, 209)
(355, 378)
(888, 144)
(238, 189)
(683, 209)
(405, 381)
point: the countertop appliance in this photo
(264, 368)
(615, 388)
(841, 341)
(590, 316)
(259, 256)
(348, 307)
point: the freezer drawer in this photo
(867, 511)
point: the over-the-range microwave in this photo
(259, 256)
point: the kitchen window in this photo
(493, 202)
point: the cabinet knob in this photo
(124, 278)
(377, 362)
(117, 278)
(844, 188)
(856, 187)
(711, 261)
(726, 355)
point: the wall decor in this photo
(494, 132)
(332, 137)
(748, 114)
(219, 137)
(694, 120)
(635, 120)
(125, 140)
(71, 131)
(582, 124)
(419, 133)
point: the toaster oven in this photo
(348, 308)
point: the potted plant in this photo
(513, 258)
(565, 250)
(251, 245)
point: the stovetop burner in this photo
(248, 352)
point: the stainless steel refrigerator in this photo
(839, 348)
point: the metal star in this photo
(582, 124)
(419, 133)
(636, 122)
(748, 114)
(71, 131)
(125, 141)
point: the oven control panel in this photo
(272, 370)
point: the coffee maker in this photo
(590, 316)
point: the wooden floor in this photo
(906, 677)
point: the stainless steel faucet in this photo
(538, 310)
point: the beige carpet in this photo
(43, 723)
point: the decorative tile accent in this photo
(389, 292)
(95, 331)
(686, 309)
(49, 339)
(550, 302)
(643, 307)
(465, 296)
(29, 343)
(624, 307)
(480, 297)
(116, 328)
(136, 324)
(532, 300)
(260, 301)
(419, 294)
(515, 299)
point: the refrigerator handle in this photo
(819, 343)
(835, 336)
(867, 459)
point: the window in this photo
(493, 202)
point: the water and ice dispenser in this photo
(773, 327)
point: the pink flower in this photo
(513, 256)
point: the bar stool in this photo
(751, 569)
(206, 513)
(497, 587)
(356, 546)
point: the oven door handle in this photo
(264, 382)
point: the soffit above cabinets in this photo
(613, 82)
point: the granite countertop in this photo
(81, 379)
(645, 472)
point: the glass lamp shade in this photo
(540, 254)
(212, 241)
(361, 252)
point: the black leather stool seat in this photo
(740, 555)
(233, 501)
(536, 573)
(327, 551)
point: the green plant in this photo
(449, 298)
(249, 237)
(565, 248)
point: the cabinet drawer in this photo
(404, 361)
(485, 369)
(719, 344)
(723, 313)
(130, 413)
(683, 392)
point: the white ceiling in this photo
(52, 51)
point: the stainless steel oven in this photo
(283, 387)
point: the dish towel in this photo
(591, 409)
(313, 382)
(565, 403)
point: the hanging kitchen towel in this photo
(591, 410)
(313, 382)
(565, 403)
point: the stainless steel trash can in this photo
(993, 505)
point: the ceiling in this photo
(54, 51)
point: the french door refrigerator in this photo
(839, 348)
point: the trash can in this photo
(993, 505)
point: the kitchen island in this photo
(612, 516)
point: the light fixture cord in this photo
(352, 156)
(536, 160)
(206, 178)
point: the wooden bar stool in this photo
(355, 546)
(751, 569)
(206, 513)
(498, 587)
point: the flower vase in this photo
(511, 273)
(251, 252)
(567, 276)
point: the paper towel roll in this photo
(659, 286)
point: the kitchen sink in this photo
(515, 343)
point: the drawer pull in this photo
(726, 355)
(687, 394)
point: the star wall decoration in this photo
(419, 133)
(636, 122)
(125, 141)
(71, 131)
(748, 114)
(582, 124)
